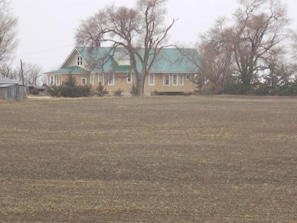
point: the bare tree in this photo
(8, 24)
(245, 48)
(8, 71)
(293, 52)
(260, 28)
(218, 61)
(32, 74)
(133, 29)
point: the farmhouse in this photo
(172, 72)
(11, 89)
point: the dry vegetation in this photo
(156, 159)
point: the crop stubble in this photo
(151, 159)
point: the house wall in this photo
(187, 86)
(78, 78)
(120, 83)
(58, 79)
(54, 79)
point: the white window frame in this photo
(151, 79)
(166, 82)
(110, 79)
(82, 80)
(129, 78)
(79, 60)
(92, 79)
(58, 80)
(180, 79)
(101, 76)
(174, 79)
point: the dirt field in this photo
(152, 159)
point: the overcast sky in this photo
(46, 28)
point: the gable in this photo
(71, 60)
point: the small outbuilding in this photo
(11, 89)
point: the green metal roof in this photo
(104, 59)
(69, 70)
(169, 60)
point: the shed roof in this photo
(5, 80)
(6, 85)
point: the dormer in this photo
(122, 59)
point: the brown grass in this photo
(154, 159)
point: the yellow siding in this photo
(186, 86)
(78, 78)
(120, 82)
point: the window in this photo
(174, 79)
(166, 79)
(52, 80)
(101, 79)
(79, 60)
(110, 79)
(188, 77)
(129, 78)
(181, 79)
(83, 81)
(151, 79)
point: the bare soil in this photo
(151, 159)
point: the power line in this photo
(43, 58)
(46, 50)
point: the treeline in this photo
(276, 87)
(254, 52)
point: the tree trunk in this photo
(139, 85)
(246, 82)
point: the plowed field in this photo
(152, 159)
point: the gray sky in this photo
(46, 28)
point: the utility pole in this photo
(22, 73)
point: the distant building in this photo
(11, 89)
(172, 72)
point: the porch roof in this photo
(69, 70)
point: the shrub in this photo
(54, 91)
(118, 92)
(101, 91)
(70, 89)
